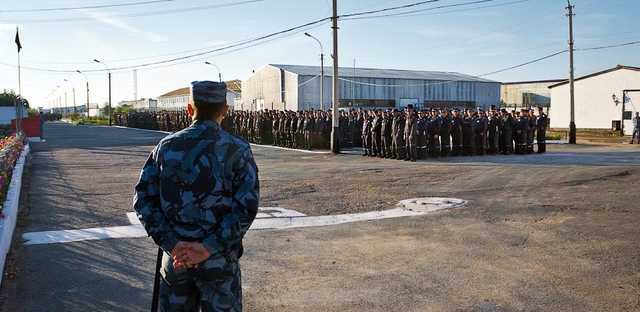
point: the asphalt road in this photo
(554, 232)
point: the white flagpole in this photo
(18, 105)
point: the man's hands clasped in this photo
(188, 255)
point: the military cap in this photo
(209, 92)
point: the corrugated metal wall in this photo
(484, 94)
(303, 92)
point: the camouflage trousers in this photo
(215, 285)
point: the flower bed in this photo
(10, 149)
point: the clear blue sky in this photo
(471, 42)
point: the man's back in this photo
(207, 184)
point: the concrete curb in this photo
(11, 204)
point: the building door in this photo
(632, 105)
(404, 102)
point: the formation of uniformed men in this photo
(165, 120)
(413, 135)
(303, 129)
(408, 135)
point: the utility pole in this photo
(74, 99)
(335, 132)
(110, 98)
(135, 84)
(109, 70)
(572, 124)
(88, 99)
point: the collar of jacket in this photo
(205, 124)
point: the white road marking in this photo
(133, 218)
(268, 218)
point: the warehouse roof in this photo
(382, 73)
(597, 74)
(177, 92)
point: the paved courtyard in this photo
(553, 232)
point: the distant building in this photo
(174, 100)
(516, 95)
(295, 87)
(178, 99)
(598, 100)
(79, 109)
(141, 105)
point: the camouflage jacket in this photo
(199, 184)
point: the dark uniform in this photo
(366, 136)
(376, 135)
(433, 137)
(531, 134)
(506, 133)
(200, 185)
(397, 144)
(410, 136)
(467, 136)
(445, 135)
(456, 135)
(421, 141)
(493, 135)
(541, 130)
(385, 134)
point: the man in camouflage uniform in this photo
(197, 196)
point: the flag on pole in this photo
(18, 40)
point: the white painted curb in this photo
(8, 224)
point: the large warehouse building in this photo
(599, 100)
(295, 87)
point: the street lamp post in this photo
(321, 69)
(218, 68)
(109, 70)
(87, 79)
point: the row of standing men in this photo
(413, 135)
(408, 134)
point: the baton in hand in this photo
(156, 282)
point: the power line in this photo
(610, 46)
(524, 64)
(254, 41)
(141, 14)
(388, 9)
(417, 12)
(420, 10)
(86, 7)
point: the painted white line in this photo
(67, 236)
(277, 212)
(139, 129)
(10, 208)
(269, 218)
(406, 208)
(133, 218)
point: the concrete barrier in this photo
(10, 211)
